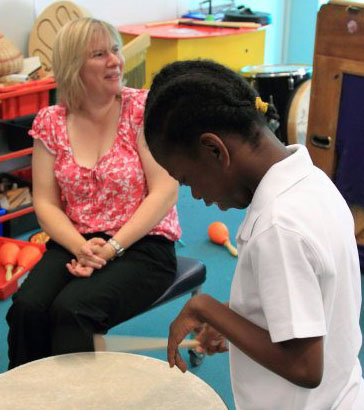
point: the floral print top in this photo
(102, 198)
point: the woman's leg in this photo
(113, 294)
(28, 318)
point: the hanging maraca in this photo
(8, 257)
(27, 256)
(219, 233)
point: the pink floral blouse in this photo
(102, 198)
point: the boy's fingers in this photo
(200, 349)
(171, 352)
(180, 363)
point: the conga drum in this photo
(104, 381)
(297, 114)
(276, 84)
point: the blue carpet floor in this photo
(195, 219)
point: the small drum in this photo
(277, 84)
(104, 381)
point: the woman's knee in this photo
(27, 306)
(67, 309)
(63, 309)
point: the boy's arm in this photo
(300, 361)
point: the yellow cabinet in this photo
(232, 47)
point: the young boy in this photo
(293, 316)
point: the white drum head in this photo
(298, 114)
(104, 381)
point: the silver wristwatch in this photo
(119, 250)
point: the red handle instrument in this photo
(27, 256)
(8, 256)
(219, 233)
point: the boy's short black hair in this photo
(188, 98)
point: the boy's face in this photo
(208, 179)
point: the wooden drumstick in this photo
(219, 233)
(166, 22)
(113, 343)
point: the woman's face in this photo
(101, 72)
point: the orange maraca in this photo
(27, 256)
(219, 233)
(8, 256)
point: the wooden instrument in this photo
(219, 233)
(46, 27)
(221, 24)
(193, 22)
(114, 343)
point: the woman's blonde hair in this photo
(70, 50)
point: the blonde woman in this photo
(107, 206)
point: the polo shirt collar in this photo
(280, 177)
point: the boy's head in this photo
(195, 112)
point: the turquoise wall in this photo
(301, 32)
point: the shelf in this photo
(23, 211)
(16, 214)
(19, 101)
(16, 154)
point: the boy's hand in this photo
(211, 341)
(184, 324)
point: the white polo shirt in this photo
(298, 276)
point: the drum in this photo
(297, 116)
(276, 84)
(104, 381)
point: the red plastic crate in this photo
(7, 288)
(24, 99)
(24, 173)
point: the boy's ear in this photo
(212, 145)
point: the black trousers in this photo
(55, 312)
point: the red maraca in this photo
(219, 233)
(8, 256)
(27, 256)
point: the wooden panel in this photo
(340, 31)
(324, 107)
(338, 50)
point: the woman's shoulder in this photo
(52, 112)
(49, 126)
(134, 95)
